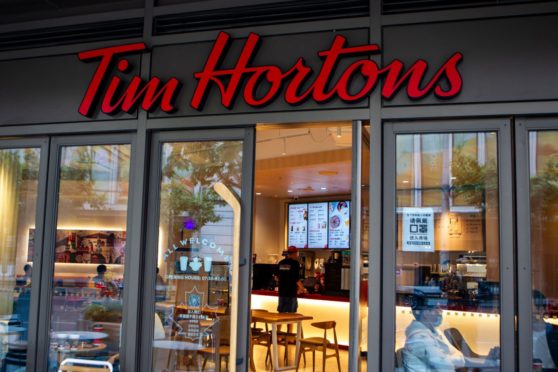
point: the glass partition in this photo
(447, 252)
(90, 254)
(19, 174)
(198, 235)
(543, 170)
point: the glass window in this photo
(90, 253)
(199, 223)
(447, 260)
(19, 172)
(543, 169)
(433, 156)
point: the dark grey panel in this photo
(511, 59)
(46, 90)
(182, 61)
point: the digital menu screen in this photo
(298, 225)
(339, 225)
(317, 225)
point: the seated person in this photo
(427, 349)
(545, 335)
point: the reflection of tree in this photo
(544, 189)
(77, 180)
(471, 180)
(190, 170)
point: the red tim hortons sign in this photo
(259, 85)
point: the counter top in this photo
(312, 296)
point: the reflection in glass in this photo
(19, 172)
(89, 253)
(447, 269)
(198, 240)
(543, 157)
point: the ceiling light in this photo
(338, 132)
(405, 181)
(289, 191)
(284, 152)
(323, 188)
(454, 178)
(258, 193)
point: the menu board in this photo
(298, 225)
(317, 225)
(339, 225)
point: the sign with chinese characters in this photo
(418, 230)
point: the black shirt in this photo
(288, 277)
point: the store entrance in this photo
(195, 263)
(306, 250)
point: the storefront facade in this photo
(452, 120)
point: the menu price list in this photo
(298, 222)
(317, 225)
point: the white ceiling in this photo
(316, 156)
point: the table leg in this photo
(275, 348)
(297, 342)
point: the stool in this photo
(320, 343)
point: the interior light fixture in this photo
(323, 188)
(405, 181)
(338, 132)
(258, 193)
(284, 147)
(289, 191)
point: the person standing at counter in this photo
(289, 282)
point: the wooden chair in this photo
(260, 337)
(86, 365)
(220, 348)
(321, 344)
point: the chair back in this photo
(458, 341)
(327, 325)
(84, 365)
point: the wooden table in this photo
(281, 318)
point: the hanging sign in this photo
(418, 230)
(259, 85)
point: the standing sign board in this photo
(418, 230)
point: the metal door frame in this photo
(42, 144)
(524, 265)
(506, 234)
(50, 224)
(150, 254)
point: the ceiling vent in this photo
(292, 11)
(401, 6)
(82, 33)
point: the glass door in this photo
(83, 276)
(197, 266)
(22, 176)
(448, 248)
(537, 177)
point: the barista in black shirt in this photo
(289, 284)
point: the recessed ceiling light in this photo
(289, 191)
(258, 193)
(323, 188)
(405, 181)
